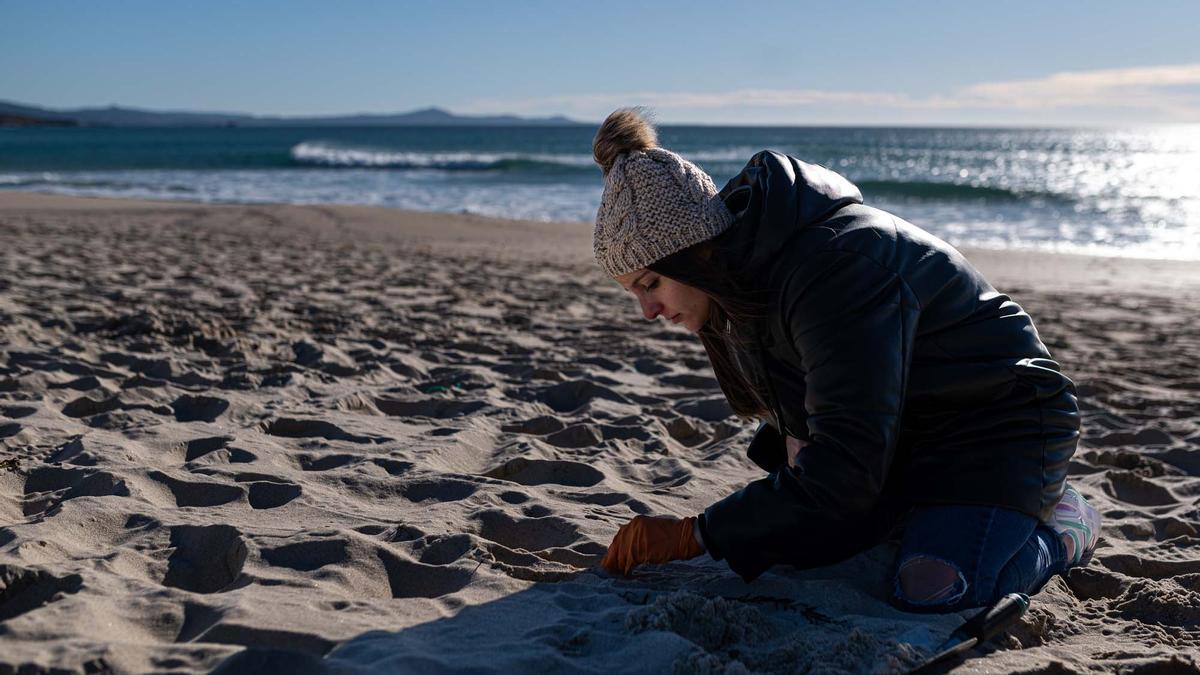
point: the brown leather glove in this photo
(647, 539)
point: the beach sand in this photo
(343, 439)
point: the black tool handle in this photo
(992, 620)
(978, 629)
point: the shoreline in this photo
(1013, 268)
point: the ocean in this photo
(1125, 192)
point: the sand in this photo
(340, 439)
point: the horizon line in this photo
(294, 117)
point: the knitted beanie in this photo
(655, 202)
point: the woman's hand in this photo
(647, 539)
(793, 448)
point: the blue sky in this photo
(764, 62)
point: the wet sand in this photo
(349, 439)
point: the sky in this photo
(695, 62)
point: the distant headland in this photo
(14, 114)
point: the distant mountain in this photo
(114, 116)
(8, 120)
(26, 116)
(424, 116)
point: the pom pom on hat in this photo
(623, 131)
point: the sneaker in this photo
(1078, 523)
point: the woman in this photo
(900, 391)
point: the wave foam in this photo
(331, 155)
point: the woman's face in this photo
(663, 296)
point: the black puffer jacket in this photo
(911, 378)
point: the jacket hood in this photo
(774, 197)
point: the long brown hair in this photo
(734, 312)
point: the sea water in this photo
(1128, 192)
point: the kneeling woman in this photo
(901, 393)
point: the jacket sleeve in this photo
(768, 449)
(852, 324)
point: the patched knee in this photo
(924, 580)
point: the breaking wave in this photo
(330, 155)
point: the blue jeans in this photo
(991, 551)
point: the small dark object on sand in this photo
(978, 629)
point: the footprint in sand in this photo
(49, 486)
(190, 408)
(106, 412)
(1149, 564)
(16, 412)
(546, 471)
(199, 447)
(309, 555)
(229, 455)
(707, 409)
(570, 396)
(536, 511)
(1133, 489)
(326, 462)
(649, 366)
(403, 533)
(197, 493)
(603, 362)
(85, 407)
(443, 549)
(1186, 459)
(690, 381)
(514, 497)
(608, 499)
(206, 558)
(411, 579)
(435, 407)
(531, 534)
(86, 383)
(626, 429)
(290, 427)
(1161, 529)
(23, 590)
(437, 489)
(394, 467)
(271, 494)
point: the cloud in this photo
(1154, 92)
(1115, 88)
(590, 103)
